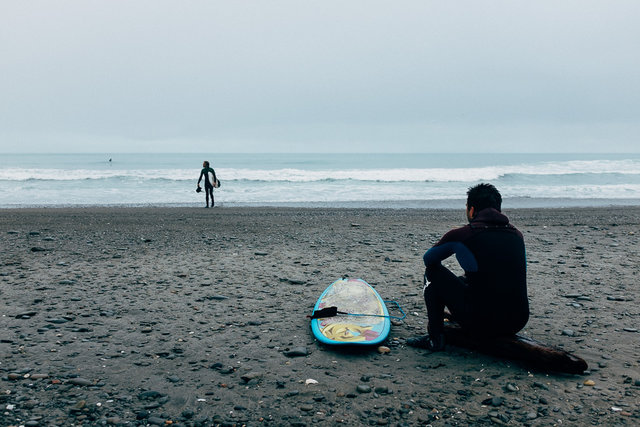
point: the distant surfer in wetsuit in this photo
(209, 181)
(491, 298)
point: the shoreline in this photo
(445, 204)
(139, 316)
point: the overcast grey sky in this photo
(319, 76)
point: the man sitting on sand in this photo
(491, 298)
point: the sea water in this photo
(324, 180)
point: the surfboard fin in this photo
(333, 311)
(325, 312)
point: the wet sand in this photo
(193, 316)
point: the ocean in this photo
(318, 180)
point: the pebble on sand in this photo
(249, 376)
(81, 382)
(362, 388)
(297, 352)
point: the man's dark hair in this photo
(484, 196)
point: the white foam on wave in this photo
(302, 192)
(21, 174)
(488, 173)
(587, 191)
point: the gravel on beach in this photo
(197, 317)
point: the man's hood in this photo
(490, 216)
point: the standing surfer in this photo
(210, 181)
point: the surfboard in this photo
(517, 347)
(366, 322)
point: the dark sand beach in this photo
(196, 317)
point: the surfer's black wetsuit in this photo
(208, 185)
(491, 299)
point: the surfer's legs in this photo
(444, 289)
(209, 193)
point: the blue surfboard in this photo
(366, 322)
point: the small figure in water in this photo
(209, 181)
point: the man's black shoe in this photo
(427, 342)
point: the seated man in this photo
(491, 298)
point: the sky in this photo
(319, 76)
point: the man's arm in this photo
(437, 253)
(201, 175)
(451, 243)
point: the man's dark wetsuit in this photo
(205, 172)
(491, 299)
